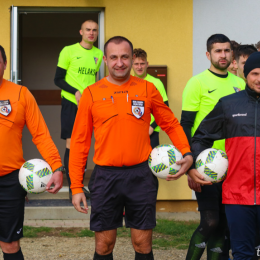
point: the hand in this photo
(78, 96)
(76, 200)
(26, 199)
(197, 177)
(150, 130)
(193, 185)
(57, 180)
(185, 163)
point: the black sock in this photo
(16, 256)
(103, 257)
(139, 256)
(66, 164)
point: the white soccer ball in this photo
(162, 160)
(212, 164)
(34, 175)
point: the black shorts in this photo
(68, 115)
(12, 199)
(154, 138)
(210, 197)
(115, 189)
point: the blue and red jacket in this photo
(235, 118)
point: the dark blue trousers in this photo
(243, 221)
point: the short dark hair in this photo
(140, 53)
(244, 50)
(117, 40)
(216, 38)
(2, 50)
(257, 45)
(234, 46)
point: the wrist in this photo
(60, 169)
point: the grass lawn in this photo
(167, 233)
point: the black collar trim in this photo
(218, 75)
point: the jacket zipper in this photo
(255, 152)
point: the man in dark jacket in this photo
(236, 118)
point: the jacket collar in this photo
(251, 93)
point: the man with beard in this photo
(200, 95)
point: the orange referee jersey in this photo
(120, 116)
(17, 108)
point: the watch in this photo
(62, 169)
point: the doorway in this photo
(42, 33)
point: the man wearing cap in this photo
(236, 118)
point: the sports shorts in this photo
(68, 116)
(154, 139)
(115, 189)
(210, 197)
(12, 199)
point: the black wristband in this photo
(190, 153)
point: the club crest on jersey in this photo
(237, 89)
(138, 108)
(96, 60)
(5, 107)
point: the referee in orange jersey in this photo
(17, 108)
(118, 107)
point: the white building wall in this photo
(237, 19)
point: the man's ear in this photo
(235, 64)
(80, 32)
(208, 55)
(105, 59)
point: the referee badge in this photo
(138, 108)
(5, 107)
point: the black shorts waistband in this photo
(9, 175)
(123, 167)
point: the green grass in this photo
(34, 231)
(178, 233)
(169, 233)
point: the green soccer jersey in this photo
(81, 65)
(202, 93)
(159, 85)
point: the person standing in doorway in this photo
(140, 65)
(77, 68)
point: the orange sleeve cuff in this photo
(55, 166)
(76, 191)
(185, 150)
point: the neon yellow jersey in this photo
(159, 85)
(202, 93)
(81, 65)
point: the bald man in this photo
(77, 67)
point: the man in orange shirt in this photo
(118, 107)
(17, 108)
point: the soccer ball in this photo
(162, 160)
(34, 175)
(212, 164)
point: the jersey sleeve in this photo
(99, 60)
(165, 118)
(64, 59)
(39, 131)
(162, 90)
(80, 142)
(191, 96)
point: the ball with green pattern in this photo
(34, 175)
(212, 164)
(162, 160)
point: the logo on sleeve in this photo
(5, 107)
(138, 108)
(210, 91)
